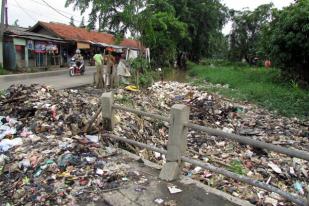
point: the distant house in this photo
(85, 40)
(52, 45)
(24, 49)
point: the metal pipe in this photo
(255, 143)
(224, 172)
(156, 116)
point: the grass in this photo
(4, 72)
(258, 85)
(237, 167)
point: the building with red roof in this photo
(82, 36)
(53, 44)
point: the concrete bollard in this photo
(177, 142)
(107, 101)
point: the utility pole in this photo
(3, 5)
(6, 13)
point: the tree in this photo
(172, 29)
(286, 39)
(82, 23)
(204, 19)
(161, 31)
(72, 21)
(118, 16)
(246, 32)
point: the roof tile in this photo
(69, 32)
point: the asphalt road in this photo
(58, 79)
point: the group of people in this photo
(109, 62)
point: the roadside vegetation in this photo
(265, 87)
(3, 71)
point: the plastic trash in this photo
(25, 132)
(25, 164)
(66, 160)
(93, 138)
(275, 167)
(6, 130)
(7, 144)
(99, 171)
(159, 201)
(299, 188)
(132, 88)
(3, 159)
(174, 189)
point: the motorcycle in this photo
(76, 68)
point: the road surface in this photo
(56, 79)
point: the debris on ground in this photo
(45, 159)
(45, 156)
(215, 111)
(173, 189)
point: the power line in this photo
(23, 10)
(58, 11)
(43, 4)
(35, 12)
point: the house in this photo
(85, 40)
(23, 49)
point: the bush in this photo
(141, 72)
(3, 71)
(286, 39)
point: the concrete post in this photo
(177, 142)
(107, 101)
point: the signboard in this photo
(52, 48)
(20, 42)
(30, 45)
(81, 45)
(40, 47)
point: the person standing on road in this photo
(98, 59)
(110, 61)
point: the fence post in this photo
(107, 101)
(177, 142)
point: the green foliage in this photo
(237, 167)
(161, 32)
(3, 71)
(142, 74)
(204, 19)
(173, 30)
(286, 39)
(258, 85)
(246, 32)
(117, 16)
(118, 39)
(124, 99)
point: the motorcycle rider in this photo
(78, 57)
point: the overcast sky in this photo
(28, 12)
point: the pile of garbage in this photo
(211, 110)
(45, 159)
